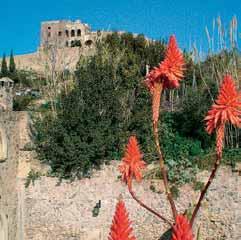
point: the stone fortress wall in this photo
(66, 39)
(10, 143)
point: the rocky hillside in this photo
(64, 210)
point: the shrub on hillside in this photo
(95, 118)
(21, 103)
(110, 102)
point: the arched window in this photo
(67, 33)
(77, 43)
(88, 43)
(78, 32)
(72, 33)
(72, 44)
(66, 44)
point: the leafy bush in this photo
(93, 121)
(32, 177)
(189, 120)
(180, 152)
(110, 102)
(21, 103)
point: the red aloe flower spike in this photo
(121, 225)
(170, 71)
(166, 75)
(131, 167)
(172, 67)
(182, 229)
(132, 162)
(227, 108)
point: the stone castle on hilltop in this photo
(66, 33)
(68, 39)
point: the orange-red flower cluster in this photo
(170, 71)
(227, 107)
(182, 229)
(132, 162)
(121, 225)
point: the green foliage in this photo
(4, 67)
(232, 156)
(110, 102)
(23, 78)
(95, 120)
(167, 235)
(21, 103)
(32, 177)
(180, 152)
(175, 191)
(189, 120)
(197, 185)
(28, 78)
(12, 66)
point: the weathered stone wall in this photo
(10, 140)
(66, 58)
(63, 210)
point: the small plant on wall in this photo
(226, 109)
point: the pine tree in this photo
(12, 66)
(4, 67)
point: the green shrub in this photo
(179, 152)
(198, 186)
(32, 177)
(189, 120)
(232, 156)
(94, 121)
(21, 103)
(110, 102)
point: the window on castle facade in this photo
(60, 33)
(67, 33)
(88, 43)
(78, 32)
(72, 33)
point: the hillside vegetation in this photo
(107, 102)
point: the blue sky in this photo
(20, 19)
